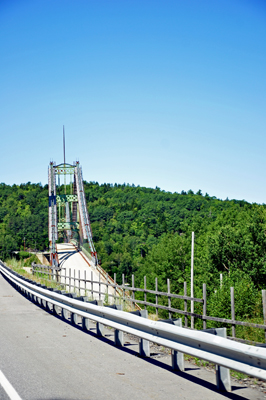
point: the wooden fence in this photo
(127, 294)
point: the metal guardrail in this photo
(223, 352)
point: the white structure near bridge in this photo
(79, 267)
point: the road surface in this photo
(44, 358)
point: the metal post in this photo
(99, 329)
(223, 380)
(144, 345)
(119, 335)
(74, 319)
(177, 356)
(85, 324)
(192, 279)
(64, 314)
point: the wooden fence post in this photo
(92, 285)
(85, 283)
(123, 283)
(232, 294)
(145, 295)
(169, 298)
(115, 288)
(264, 308)
(133, 291)
(204, 305)
(107, 288)
(100, 297)
(185, 303)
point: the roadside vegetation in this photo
(147, 232)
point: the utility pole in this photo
(192, 279)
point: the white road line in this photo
(8, 388)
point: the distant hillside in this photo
(135, 227)
(148, 232)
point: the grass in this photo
(19, 265)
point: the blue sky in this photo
(155, 93)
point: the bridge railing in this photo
(208, 346)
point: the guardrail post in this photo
(74, 319)
(64, 314)
(99, 326)
(177, 356)
(223, 380)
(119, 335)
(99, 329)
(144, 345)
(86, 321)
(85, 324)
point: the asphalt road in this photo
(43, 357)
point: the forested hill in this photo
(148, 232)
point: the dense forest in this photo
(148, 232)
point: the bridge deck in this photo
(76, 261)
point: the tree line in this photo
(147, 232)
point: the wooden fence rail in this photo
(127, 294)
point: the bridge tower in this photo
(68, 214)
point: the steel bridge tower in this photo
(68, 214)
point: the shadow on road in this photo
(160, 364)
(64, 255)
